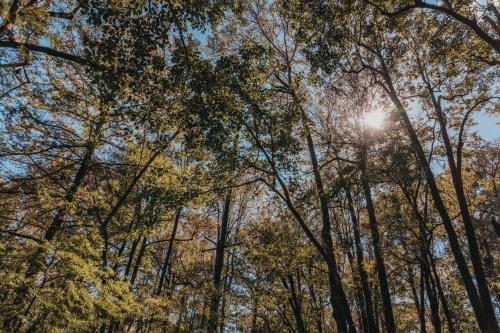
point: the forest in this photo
(259, 166)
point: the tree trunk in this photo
(371, 325)
(485, 325)
(421, 315)
(426, 254)
(434, 305)
(475, 254)
(294, 303)
(138, 261)
(131, 256)
(219, 263)
(340, 306)
(442, 297)
(170, 248)
(315, 305)
(390, 324)
(417, 301)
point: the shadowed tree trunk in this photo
(367, 297)
(337, 295)
(294, 303)
(138, 261)
(485, 323)
(390, 324)
(340, 305)
(433, 302)
(475, 254)
(166, 263)
(421, 314)
(416, 299)
(219, 263)
(447, 312)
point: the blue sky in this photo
(488, 126)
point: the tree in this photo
(251, 166)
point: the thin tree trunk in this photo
(131, 256)
(418, 302)
(219, 265)
(371, 325)
(423, 327)
(336, 300)
(228, 282)
(254, 316)
(378, 318)
(341, 312)
(447, 312)
(427, 257)
(137, 211)
(170, 248)
(203, 315)
(36, 262)
(294, 303)
(482, 319)
(358, 293)
(475, 254)
(340, 306)
(317, 308)
(390, 324)
(425, 270)
(433, 302)
(138, 261)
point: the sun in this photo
(374, 118)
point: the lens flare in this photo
(374, 119)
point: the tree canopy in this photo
(249, 166)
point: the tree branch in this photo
(45, 50)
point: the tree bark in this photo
(131, 255)
(170, 248)
(367, 298)
(219, 263)
(390, 324)
(138, 261)
(447, 312)
(416, 299)
(434, 305)
(294, 303)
